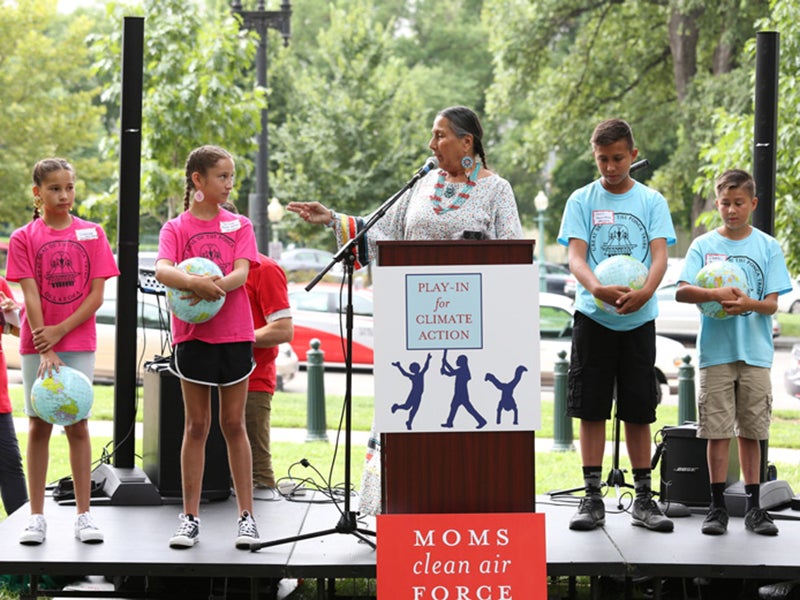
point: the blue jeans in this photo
(12, 479)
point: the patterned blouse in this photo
(491, 210)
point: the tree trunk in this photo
(683, 36)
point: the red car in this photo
(319, 313)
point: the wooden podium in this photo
(458, 472)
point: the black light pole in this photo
(261, 20)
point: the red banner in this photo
(488, 556)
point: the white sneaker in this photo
(86, 531)
(188, 533)
(35, 532)
(248, 533)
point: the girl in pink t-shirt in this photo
(61, 263)
(217, 352)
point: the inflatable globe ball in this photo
(620, 270)
(63, 397)
(719, 274)
(205, 309)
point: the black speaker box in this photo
(163, 434)
(684, 468)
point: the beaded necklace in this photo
(449, 190)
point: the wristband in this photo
(334, 218)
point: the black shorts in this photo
(603, 358)
(212, 364)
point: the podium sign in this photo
(463, 556)
(457, 348)
(444, 470)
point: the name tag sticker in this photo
(602, 217)
(90, 233)
(228, 226)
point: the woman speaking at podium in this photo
(463, 198)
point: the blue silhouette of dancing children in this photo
(507, 401)
(460, 391)
(417, 377)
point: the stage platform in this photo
(136, 544)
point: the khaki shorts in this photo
(735, 400)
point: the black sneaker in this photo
(716, 522)
(247, 531)
(188, 533)
(591, 513)
(646, 513)
(759, 521)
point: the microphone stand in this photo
(348, 523)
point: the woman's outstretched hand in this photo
(311, 212)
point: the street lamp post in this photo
(541, 202)
(275, 214)
(261, 20)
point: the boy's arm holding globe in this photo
(626, 300)
(733, 300)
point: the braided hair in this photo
(200, 161)
(464, 121)
(41, 170)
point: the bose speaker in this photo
(684, 467)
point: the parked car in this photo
(318, 313)
(681, 320)
(152, 338)
(790, 302)
(555, 277)
(555, 330)
(306, 259)
(791, 377)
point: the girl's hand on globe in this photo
(48, 362)
(204, 287)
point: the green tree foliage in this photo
(48, 99)
(357, 128)
(562, 66)
(195, 92)
(734, 131)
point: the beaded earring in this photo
(37, 202)
(198, 196)
(467, 162)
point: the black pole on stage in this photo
(124, 483)
(765, 128)
(128, 240)
(765, 140)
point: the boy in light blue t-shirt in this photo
(735, 354)
(613, 352)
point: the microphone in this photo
(639, 164)
(430, 164)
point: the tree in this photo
(562, 66)
(733, 145)
(47, 93)
(357, 127)
(195, 93)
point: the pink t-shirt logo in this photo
(63, 268)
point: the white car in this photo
(790, 302)
(555, 330)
